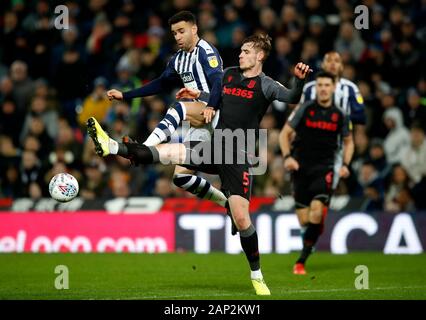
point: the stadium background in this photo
(52, 80)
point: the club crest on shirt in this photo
(251, 84)
(213, 61)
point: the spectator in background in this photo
(226, 28)
(398, 191)
(349, 42)
(32, 143)
(71, 70)
(317, 30)
(206, 21)
(267, 20)
(37, 139)
(10, 121)
(94, 182)
(9, 155)
(291, 26)
(10, 185)
(40, 26)
(360, 156)
(163, 188)
(414, 162)
(96, 104)
(398, 136)
(119, 184)
(67, 148)
(310, 53)
(230, 54)
(23, 86)
(32, 20)
(404, 201)
(128, 81)
(6, 89)
(151, 65)
(405, 59)
(99, 43)
(49, 118)
(280, 61)
(31, 174)
(371, 187)
(378, 158)
(125, 43)
(69, 39)
(8, 37)
(385, 100)
(415, 112)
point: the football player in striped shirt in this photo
(346, 96)
(196, 65)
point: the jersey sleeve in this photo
(273, 90)
(356, 103)
(296, 116)
(306, 92)
(167, 80)
(347, 126)
(213, 68)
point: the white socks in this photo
(165, 129)
(113, 146)
(257, 274)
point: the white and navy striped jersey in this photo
(197, 68)
(346, 97)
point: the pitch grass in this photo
(212, 276)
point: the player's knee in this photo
(195, 120)
(303, 220)
(316, 210)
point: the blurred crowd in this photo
(52, 80)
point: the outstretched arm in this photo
(167, 79)
(274, 90)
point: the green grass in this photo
(212, 276)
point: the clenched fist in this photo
(114, 94)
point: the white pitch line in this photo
(281, 292)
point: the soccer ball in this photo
(63, 187)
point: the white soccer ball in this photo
(63, 187)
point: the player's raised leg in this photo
(104, 145)
(178, 112)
